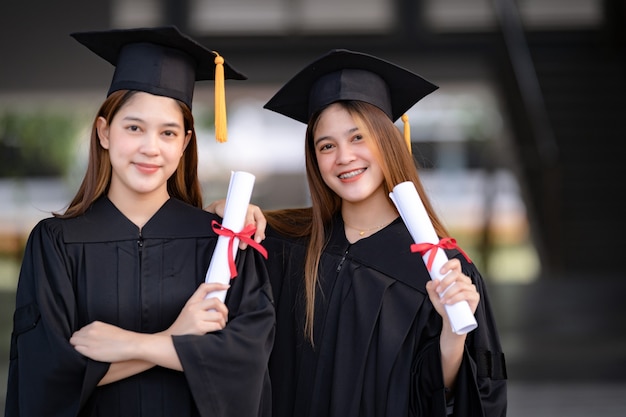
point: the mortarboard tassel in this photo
(220, 100)
(407, 131)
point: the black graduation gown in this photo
(100, 267)
(376, 334)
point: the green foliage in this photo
(204, 118)
(36, 144)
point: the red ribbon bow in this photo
(244, 236)
(444, 243)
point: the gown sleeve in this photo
(227, 370)
(481, 388)
(47, 376)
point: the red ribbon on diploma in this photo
(245, 236)
(444, 243)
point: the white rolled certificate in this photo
(237, 202)
(415, 217)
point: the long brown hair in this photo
(183, 184)
(397, 165)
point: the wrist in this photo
(451, 344)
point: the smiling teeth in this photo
(351, 174)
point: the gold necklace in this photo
(363, 231)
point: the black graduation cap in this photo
(160, 60)
(347, 75)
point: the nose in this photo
(150, 144)
(344, 155)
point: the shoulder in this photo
(179, 207)
(47, 233)
(177, 219)
(49, 226)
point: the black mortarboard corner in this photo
(347, 75)
(161, 61)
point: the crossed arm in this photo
(131, 352)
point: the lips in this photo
(147, 168)
(351, 174)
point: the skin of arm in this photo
(131, 352)
(454, 287)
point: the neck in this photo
(138, 208)
(367, 217)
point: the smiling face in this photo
(145, 140)
(346, 163)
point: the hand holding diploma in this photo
(415, 217)
(222, 267)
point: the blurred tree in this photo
(36, 144)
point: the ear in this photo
(102, 127)
(187, 140)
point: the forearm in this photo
(452, 346)
(159, 350)
(153, 350)
(454, 287)
(150, 350)
(125, 349)
(121, 370)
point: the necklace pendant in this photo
(362, 233)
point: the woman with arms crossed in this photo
(112, 316)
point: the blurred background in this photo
(519, 148)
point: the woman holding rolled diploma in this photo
(362, 328)
(112, 317)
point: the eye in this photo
(357, 138)
(133, 128)
(169, 133)
(325, 146)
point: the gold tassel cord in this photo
(220, 101)
(407, 131)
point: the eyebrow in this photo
(349, 131)
(139, 119)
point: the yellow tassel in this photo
(407, 132)
(220, 100)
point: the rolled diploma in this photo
(415, 217)
(237, 201)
